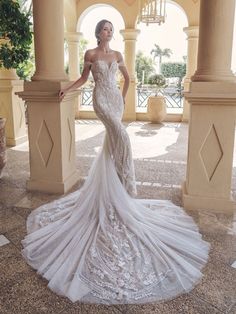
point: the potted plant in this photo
(15, 38)
(3, 154)
(156, 107)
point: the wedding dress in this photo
(101, 245)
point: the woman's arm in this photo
(78, 83)
(125, 74)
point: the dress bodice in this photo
(104, 73)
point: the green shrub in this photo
(173, 69)
(157, 79)
(15, 35)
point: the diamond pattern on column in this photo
(45, 143)
(70, 138)
(211, 152)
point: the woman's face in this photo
(106, 32)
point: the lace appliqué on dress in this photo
(118, 266)
(110, 113)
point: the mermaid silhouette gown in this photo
(101, 245)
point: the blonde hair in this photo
(99, 28)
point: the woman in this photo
(99, 244)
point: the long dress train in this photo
(101, 245)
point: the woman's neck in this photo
(104, 47)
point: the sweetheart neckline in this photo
(107, 63)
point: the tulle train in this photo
(100, 245)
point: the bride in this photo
(100, 244)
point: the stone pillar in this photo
(130, 37)
(215, 41)
(12, 108)
(49, 40)
(73, 39)
(212, 97)
(51, 121)
(192, 33)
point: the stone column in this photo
(51, 121)
(130, 37)
(212, 97)
(73, 39)
(192, 33)
(215, 41)
(49, 40)
(12, 108)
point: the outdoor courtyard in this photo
(159, 152)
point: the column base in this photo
(53, 187)
(217, 77)
(57, 77)
(195, 202)
(16, 141)
(129, 117)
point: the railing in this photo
(142, 96)
(87, 96)
(173, 96)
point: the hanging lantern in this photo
(152, 11)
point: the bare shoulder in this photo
(89, 54)
(118, 55)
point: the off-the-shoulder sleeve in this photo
(121, 63)
(87, 64)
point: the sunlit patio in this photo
(160, 152)
(186, 159)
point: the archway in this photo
(169, 35)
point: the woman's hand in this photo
(62, 93)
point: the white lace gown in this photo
(101, 245)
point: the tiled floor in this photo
(160, 153)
